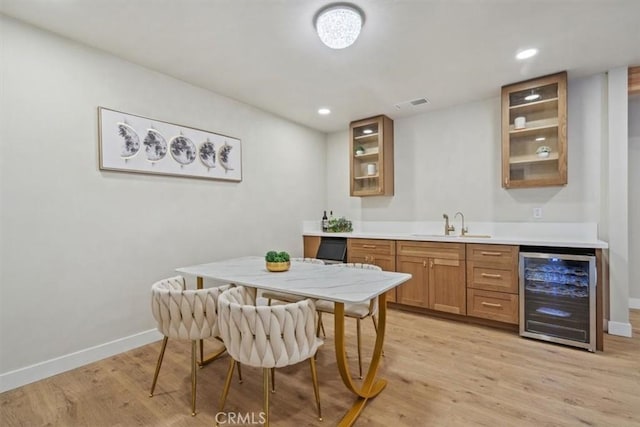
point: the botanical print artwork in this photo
(155, 145)
(224, 154)
(208, 154)
(183, 150)
(137, 144)
(131, 141)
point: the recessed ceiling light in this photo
(339, 25)
(527, 53)
(532, 97)
(324, 111)
(540, 138)
(367, 131)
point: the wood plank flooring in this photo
(440, 373)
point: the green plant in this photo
(340, 225)
(273, 256)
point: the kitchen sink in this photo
(456, 236)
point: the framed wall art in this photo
(131, 143)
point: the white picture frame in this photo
(137, 144)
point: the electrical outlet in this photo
(537, 212)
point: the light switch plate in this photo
(537, 212)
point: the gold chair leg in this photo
(160, 357)
(269, 301)
(265, 386)
(239, 373)
(359, 352)
(194, 363)
(316, 389)
(324, 334)
(227, 383)
(273, 380)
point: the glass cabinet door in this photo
(371, 157)
(534, 137)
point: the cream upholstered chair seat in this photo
(185, 315)
(357, 311)
(279, 297)
(267, 337)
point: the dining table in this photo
(322, 282)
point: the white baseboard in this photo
(634, 303)
(19, 377)
(619, 328)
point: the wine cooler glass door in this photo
(558, 298)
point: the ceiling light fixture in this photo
(527, 53)
(367, 131)
(324, 111)
(339, 24)
(532, 97)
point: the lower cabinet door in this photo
(447, 285)
(414, 291)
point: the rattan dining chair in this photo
(356, 311)
(185, 315)
(267, 337)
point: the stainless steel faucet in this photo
(447, 228)
(463, 230)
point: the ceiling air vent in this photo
(414, 103)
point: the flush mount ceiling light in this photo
(339, 24)
(324, 111)
(527, 53)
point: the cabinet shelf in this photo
(367, 156)
(544, 124)
(532, 158)
(366, 177)
(372, 136)
(545, 104)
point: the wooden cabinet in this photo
(438, 271)
(534, 132)
(311, 245)
(492, 282)
(371, 156)
(374, 251)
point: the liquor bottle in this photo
(330, 215)
(325, 222)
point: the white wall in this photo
(449, 160)
(634, 199)
(80, 248)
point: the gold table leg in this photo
(372, 386)
(213, 356)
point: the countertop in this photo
(570, 235)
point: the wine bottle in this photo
(325, 222)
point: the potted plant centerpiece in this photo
(277, 261)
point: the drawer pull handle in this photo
(493, 276)
(369, 246)
(491, 253)
(491, 304)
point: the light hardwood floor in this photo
(440, 372)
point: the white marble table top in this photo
(338, 284)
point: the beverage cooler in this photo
(558, 296)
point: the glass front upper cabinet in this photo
(371, 157)
(534, 132)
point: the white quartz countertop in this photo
(327, 282)
(571, 235)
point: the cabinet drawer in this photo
(493, 254)
(498, 306)
(492, 278)
(371, 246)
(431, 249)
